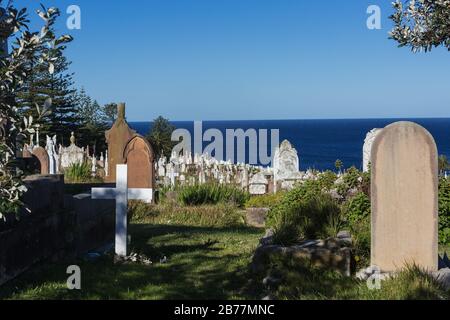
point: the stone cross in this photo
(173, 175)
(122, 194)
(404, 198)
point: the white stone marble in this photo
(367, 148)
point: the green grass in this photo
(203, 263)
(208, 253)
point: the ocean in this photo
(320, 143)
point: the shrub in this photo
(310, 218)
(8, 207)
(326, 180)
(356, 212)
(444, 211)
(78, 172)
(211, 194)
(264, 201)
(301, 192)
(352, 179)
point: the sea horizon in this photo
(319, 142)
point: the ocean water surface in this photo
(320, 142)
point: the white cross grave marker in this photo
(122, 194)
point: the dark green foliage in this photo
(444, 211)
(309, 218)
(212, 194)
(93, 123)
(356, 213)
(40, 84)
(300, 193)
(8, 207)
(110, 112)
(160, 137)
(326, 180)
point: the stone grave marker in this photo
(121, 194)
(42, 156)
(404, 198)
(258, 184)
(139, 157)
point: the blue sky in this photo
(251, 59)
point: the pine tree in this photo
(93, 123)
(55, 84)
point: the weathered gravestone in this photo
(258, 184)
(404, 198)
(367, 148)
(41, 154)
(118, 138)
(286, 166)
(125, 146)
(139, 157)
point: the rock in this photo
(306, 254)
(268, 298)
(345, 237)
(268, 238)
(256, 217)
(443, 277)
(364, 274)
(444, 262)
(271, 282)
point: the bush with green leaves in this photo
(356, 213)
(444, 211)
(78, 173)
(212, 194)
(326, 180)
(310, 217)
(301, 192)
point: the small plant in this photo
(78, 173)
(264, 201)
(311, 218)
(326, 180)
(356, 213)
(444, 211)
(212, 194)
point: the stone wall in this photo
(58, 226)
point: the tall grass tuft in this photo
(212, 194)
(78, 173)
(316, 216)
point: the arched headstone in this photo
(139, 157)
(41, 154)
(404, 198)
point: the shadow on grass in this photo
(202, 263)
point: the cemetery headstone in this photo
(139, 157)
(41, 154)
(286, 164)
(404, 198)
(367, 148)
(258, 184)
(121, 194)
(118, 138)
